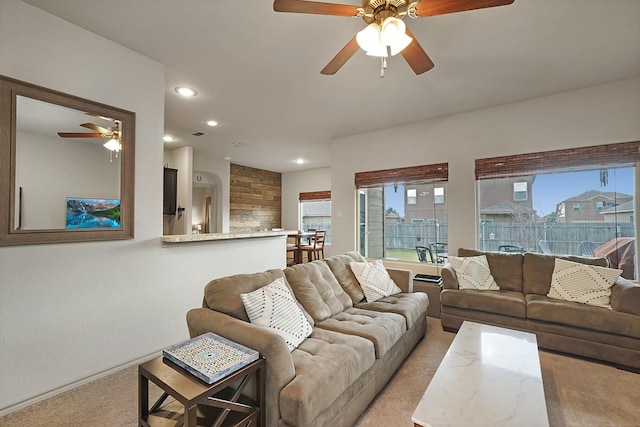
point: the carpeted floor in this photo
(579, 393)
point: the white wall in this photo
(600, 114)
(73, 311)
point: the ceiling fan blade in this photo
(416, 57)
(301, 6)
(79, 135)
(341, 58)
(441, 7)
(95, 127)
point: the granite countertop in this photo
(207, 237)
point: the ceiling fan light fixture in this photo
(369, 41)
(112, 145)
(393, 34)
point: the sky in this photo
(550, 189)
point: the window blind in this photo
(622, 154)
(315, 195)
(410, 175)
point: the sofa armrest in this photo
(625, 297)
(279, 362)
(449, 277)
(403, 278)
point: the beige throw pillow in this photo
(273, 306)
(473, 273)
(587, 284)
(374, 280)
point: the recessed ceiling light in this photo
(299, 161)
(211, 123)
(168, 138)
(186, 91)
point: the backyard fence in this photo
(561, 238)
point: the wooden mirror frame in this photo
(10, 89)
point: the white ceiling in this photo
(257, 72)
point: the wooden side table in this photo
(190, 392)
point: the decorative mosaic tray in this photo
(210, 357)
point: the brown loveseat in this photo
(352, 352)
(611, 335)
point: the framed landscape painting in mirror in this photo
(67, 167)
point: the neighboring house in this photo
(425, 203)
(589, 206)
(621, 213)
(506, 199)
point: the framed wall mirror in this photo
(66, 167)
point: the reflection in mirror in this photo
(53, 172)
(67, 167)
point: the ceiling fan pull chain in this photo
(383, 66)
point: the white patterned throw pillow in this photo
(374, 280)
(473, 273)
(587, 284)
(273, 306)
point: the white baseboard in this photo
(39, 398)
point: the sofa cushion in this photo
(587, 284)
(327, 364)
(374, 280)
(223, 294)
(473, 273)
(582, 316)
(317, 289)
(537, 270)
(339, 265)
(411, 306)
(382, 329)
(273, 306)
(509, 303)
(506, 268)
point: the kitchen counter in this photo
(208, 237)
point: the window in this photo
(520, 191)
(398, 211)
(412, 198)
(315, 212)
(561, 211)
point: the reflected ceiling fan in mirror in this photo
(112, 134)
(385, 34)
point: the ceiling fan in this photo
(385, 32)
(112, 134)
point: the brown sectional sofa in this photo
(611, 335)
(354, 349)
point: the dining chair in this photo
(587, 248)
(439, 250)
(544, 246)
(422, 253)
(292, 248)
(315, 248)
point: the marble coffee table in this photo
(489, 377)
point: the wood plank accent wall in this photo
(255, 199)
